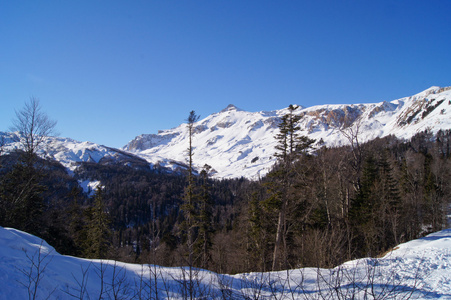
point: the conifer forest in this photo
(317, 207)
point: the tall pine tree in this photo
(98, 233)
(205, 230)
(290, 145)
(189, 206)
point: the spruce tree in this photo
(260, 232)
(189, 198)
(204, 242)
(189, 205)
(98, 234)
(290, 145)
(76, 222)
(374, 212)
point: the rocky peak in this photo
(230, 107)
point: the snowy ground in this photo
(420, 269)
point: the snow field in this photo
(419, 269)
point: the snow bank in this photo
(419, 268)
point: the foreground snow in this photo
(419, 269)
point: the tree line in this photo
(318, 206)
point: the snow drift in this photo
(419, 269)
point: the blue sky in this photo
(108, 71)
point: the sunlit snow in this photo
(419, 268)
(237, 143)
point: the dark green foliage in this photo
(261, 232)
(282, 200)
(203, 243)
(35, 199)
(75, 223)
(374, 213)
(189, 224)
(98, 234)
(22, 199)
(289, 140)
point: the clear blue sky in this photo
(108, 71)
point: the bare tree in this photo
(368, 279)
(34, 126)
(352, 133)
(119, 286)
(22, 201)
(81, 291)
(35, 272)
(100, 270)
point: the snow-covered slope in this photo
(234, 142)
(238, 143)
(70, 152)
(29, 266)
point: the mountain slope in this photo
(70, 152)
(238, 143)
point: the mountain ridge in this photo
(238, 143)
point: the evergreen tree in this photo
(363, 206)
(375, 210)
(204, 242)
(288, 136)
(22, 201)
(189, 205)
(390, 203)
(76, 222)
(98, 234)
(290, 146)
(260, 233)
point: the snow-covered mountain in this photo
(418, 269)
(238, 143)
(70, 152)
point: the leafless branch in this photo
(33, 125)
(35, 272)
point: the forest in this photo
(318, 206)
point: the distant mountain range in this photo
(237, 143)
